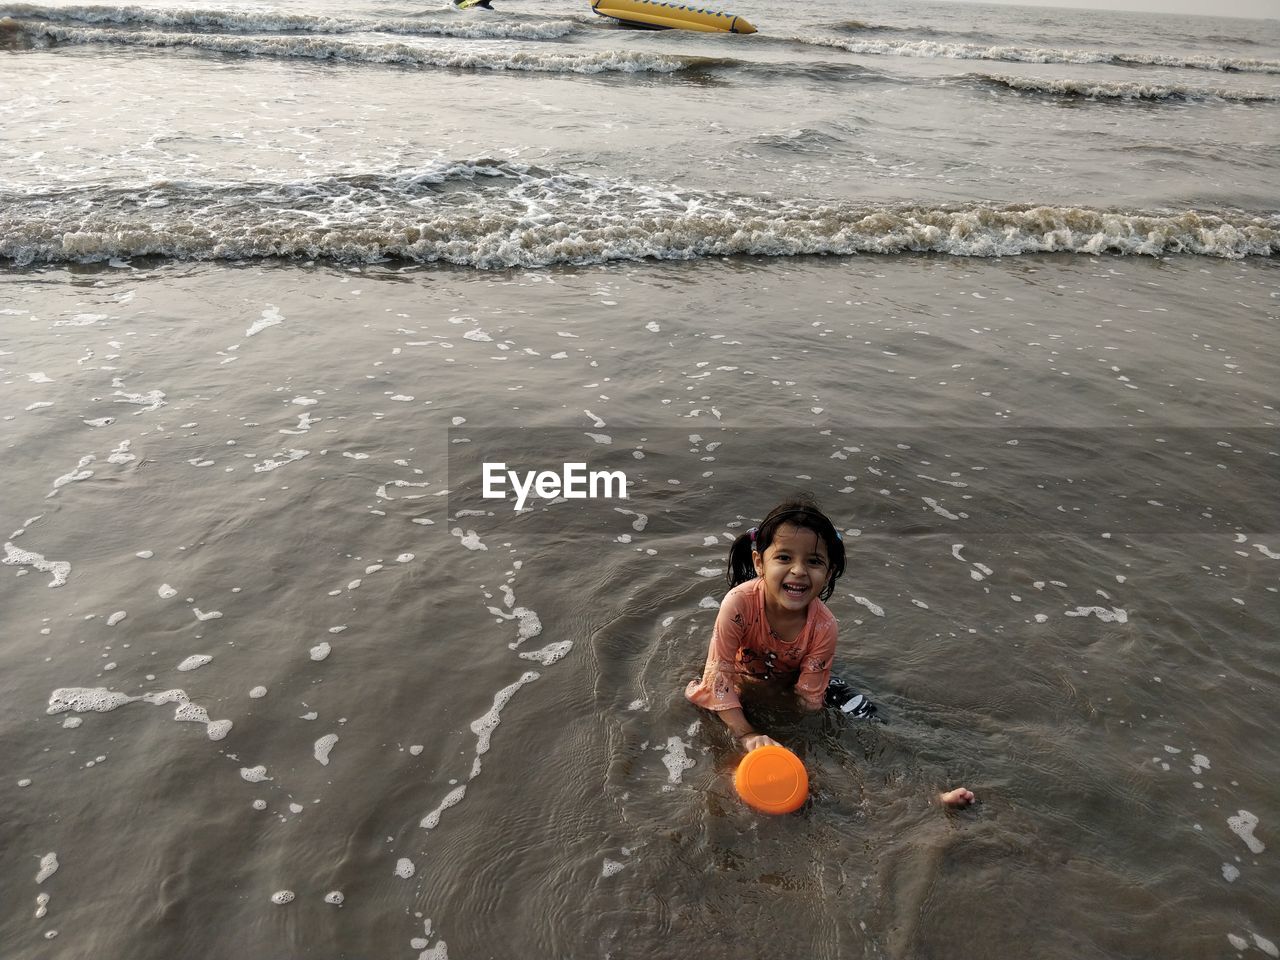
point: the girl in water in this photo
(774, 626)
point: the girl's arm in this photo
(747, 736)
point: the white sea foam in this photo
(60, 569)
(270, 317)
(254, 774)
(452, 798)
(73, 476)
(48, 867)
(194, 662)
(968, 51)
(550, 653)
(483, 727)
(1112, 615)
(278, 21)
(529, 626)
(281, 897)
(941, 510)
(639, 523)
(676, 760)
(81, 320)
(469, 539)
(290, 456)
(488, 225)
(405, 868)
(873, 607)
(1122, 90)
(321, 651)
(1242, 824)
(103, 700)
(323, 746)
(379, 52)
(149, 401)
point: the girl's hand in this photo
(753, 740)
(959, 797)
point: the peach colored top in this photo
(744, 647)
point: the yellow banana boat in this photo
(659, 15)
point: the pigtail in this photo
(741, 567)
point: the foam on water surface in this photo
(290, 456)
(1242, 824)
(60, 569)
(323, 747)
(676, 759)
(103, 700)
(271, 317)
(550, 653)
(48, 867)
(469, 538)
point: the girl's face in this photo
(795, 568)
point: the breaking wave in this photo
(1113, 90)
(495, 214)
(967, 51)
(270, 21)
(325, 48)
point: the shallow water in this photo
(257, 480)
(1053, 662)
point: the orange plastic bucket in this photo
(772, 780)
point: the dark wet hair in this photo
(802, 512)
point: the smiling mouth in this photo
(795, 589)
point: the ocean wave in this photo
(800, 140)
(324, 48)
(270, 21)
(496, 214)
(1114, 90)
(858, 28)
(968, 51)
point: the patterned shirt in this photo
(744, 646)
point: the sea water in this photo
(997, 285)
